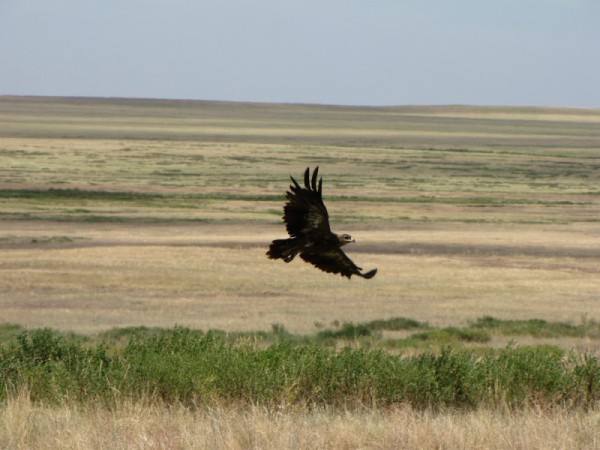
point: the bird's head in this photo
(345, 239)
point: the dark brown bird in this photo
(307, 222)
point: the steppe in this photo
(122, 212)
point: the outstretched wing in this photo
(305, 213)
(335, 260)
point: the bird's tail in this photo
(282, 249)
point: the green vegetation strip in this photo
(183, 366)
(78, 194)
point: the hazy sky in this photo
(362, 52)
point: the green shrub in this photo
(348, 330)
(395, 324)
(188, 367)
(453, 334)
(53, 368)
(538, 327)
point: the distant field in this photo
(142, 212)
(148, 212)
(121, 218)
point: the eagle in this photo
(307, 222)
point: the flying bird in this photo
(307, 223)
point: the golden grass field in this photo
(151, 426)
(465, 211)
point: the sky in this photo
(347, 52)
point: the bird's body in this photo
(307, 223)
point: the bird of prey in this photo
(307, 223)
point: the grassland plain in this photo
(117, 213)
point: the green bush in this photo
(538, 327)
(453, 334)
(54, 369)
(188, 367)
(395, 324)
(348, 330)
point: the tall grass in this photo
(182, 366)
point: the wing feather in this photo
(314, 179)
(305, 213)
(334, 260)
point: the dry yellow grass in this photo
(217, 276)
(24, 425)
(483, 217)
(445, 262)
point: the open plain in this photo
(120, 213)
(140, 212)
